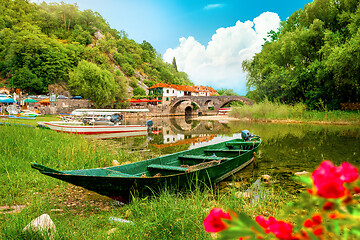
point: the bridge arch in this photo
(209, 103)
(230, 101)
(188, 110)
(176, 104)
(206, 105)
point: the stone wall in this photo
(65, 105)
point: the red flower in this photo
(329, 179)
(262, 222)
(280, 229)
(356, 189)
(308, 223)
(318, 232)
(213, 223)
(347, 172)
(317, 219)
(328, 206)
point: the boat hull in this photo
(95, 129)
(179, 171)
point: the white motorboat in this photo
(98, 121)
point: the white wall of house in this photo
(204, 93)
(180, 93)
(172, 138)
(170, 92)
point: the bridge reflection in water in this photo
(286, 148)
(170, 135)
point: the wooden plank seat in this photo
(240, 143)
(225, 151)
(201, 158)
(120, 174)
(166, 167)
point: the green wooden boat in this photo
(205, 165)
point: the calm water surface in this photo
(285, 150)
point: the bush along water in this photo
(328, 210)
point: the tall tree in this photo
(174, 64)
(94, 83)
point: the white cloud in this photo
(219, 63)
(212, 6)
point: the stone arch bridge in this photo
(207, 105)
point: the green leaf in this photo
(305, 180)
(250, 222)
(312, 236)
(336, 227)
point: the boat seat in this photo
(225, 151)
(166, 167)
(240, 143)
(120, 174)
(202, 158)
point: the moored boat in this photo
(96, 121)
(77, 128)
(207, 165)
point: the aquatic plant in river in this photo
(328, 210)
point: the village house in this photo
(167, 92)
(205, 90)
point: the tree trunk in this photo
(65, 21)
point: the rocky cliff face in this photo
(59, 89)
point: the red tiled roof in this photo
(185, 88)
(177, 87)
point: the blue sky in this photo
(180, 28)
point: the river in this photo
(286, 148)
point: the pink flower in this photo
(329, 179)
(348, 173)
(280, 229)
(213, 223)
(262, 221)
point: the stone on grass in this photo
(266, 177)
(301, 173)
(41, 228)
(115, 163)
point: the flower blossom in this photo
(213, 222)
(329, 180)
(280, 229)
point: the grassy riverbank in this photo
(269, 111)
(31, 122)
(79, 214)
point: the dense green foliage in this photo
(267, 110)
(314, 58)
(226, 92)
(43, 44)
(92, 82)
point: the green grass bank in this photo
(267, 111)
(79, 214)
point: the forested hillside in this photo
(57, 43)
(314, 57)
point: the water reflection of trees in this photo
(286, 148)
(178, 134)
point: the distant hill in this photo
(57, 44)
